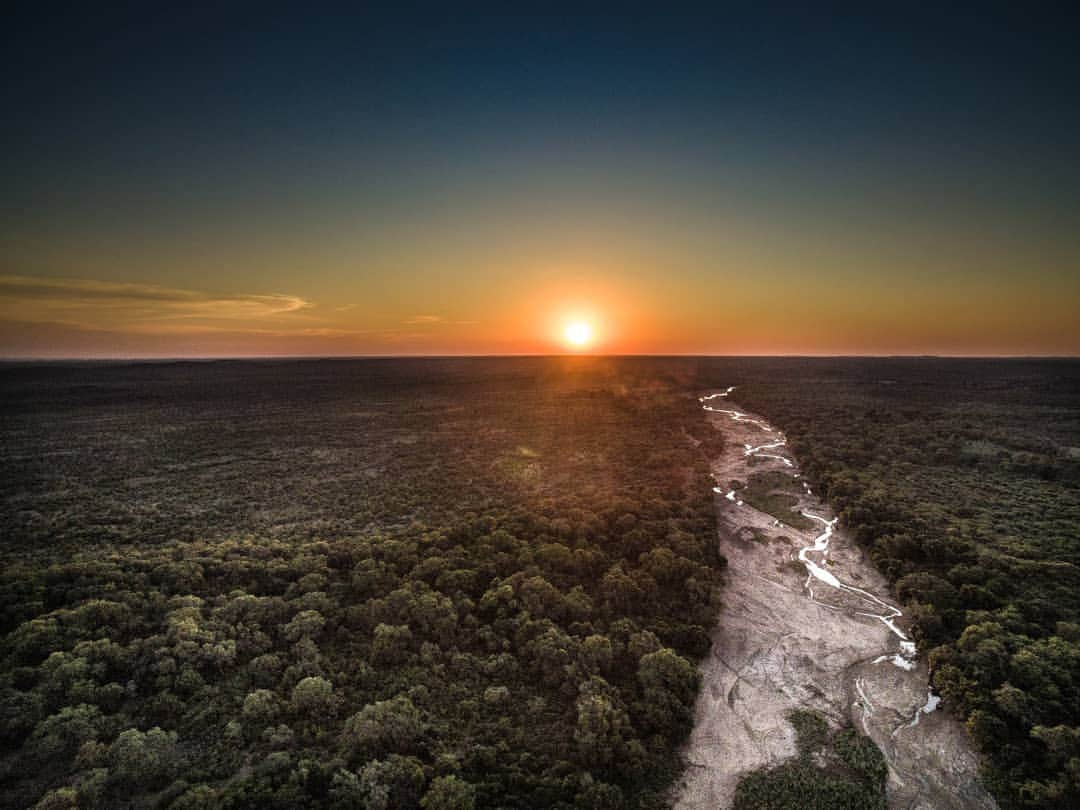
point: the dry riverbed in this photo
(808, 623)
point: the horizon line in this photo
(256, 357)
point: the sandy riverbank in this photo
(820, 632)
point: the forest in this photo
(487, 583)
(962, 478)
(434, 584)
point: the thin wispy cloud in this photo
(393, 336)
(415, 320)
(434, 320)
(94, 304)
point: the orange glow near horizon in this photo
(580, 307)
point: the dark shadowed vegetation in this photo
(422, 584)
(841, 770)
(774, 493)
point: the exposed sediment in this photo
(807, 623)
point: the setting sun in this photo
(578, 334)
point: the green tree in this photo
(666, 669)
(449, 793)
(394, 725)
(64, 798)
(601, 725)
(313, 699)
(391, 644)
(394, 782)
(597, 654)
(61, 734)
(305, 624)
(260, 708)
(145, 758)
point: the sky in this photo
(313, 179)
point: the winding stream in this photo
(903, 659)
(796, 632)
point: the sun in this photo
(578, 334)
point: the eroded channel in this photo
(807, 623)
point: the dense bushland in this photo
(484, 583)
(514, 623)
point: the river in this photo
(797, 631)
